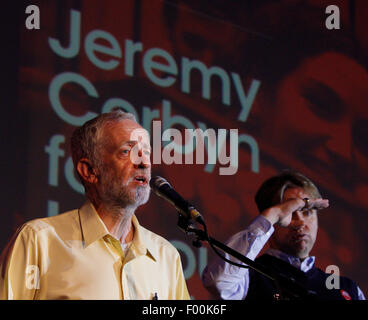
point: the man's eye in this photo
(125, 151)
(308, 212)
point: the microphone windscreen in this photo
(157, 182)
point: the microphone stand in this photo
(289, 288)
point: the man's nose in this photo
(143, 160)
(297, 221)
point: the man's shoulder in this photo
(55, 222)
(158, 242)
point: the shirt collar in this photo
(140, 242)
(93, 229)
(92, 225)
(305, 265)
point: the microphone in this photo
(164, 190)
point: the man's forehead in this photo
(125, 130)
(296, 192)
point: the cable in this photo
(208, 238)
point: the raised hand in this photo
(281, 214)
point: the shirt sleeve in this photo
(229, 282)
(20, 273)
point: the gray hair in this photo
(85, 140)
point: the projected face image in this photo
(322, 116)
(204, 39)
(207, 39)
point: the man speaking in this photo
(98, 251)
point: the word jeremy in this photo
(152, 66)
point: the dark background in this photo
(309, 113)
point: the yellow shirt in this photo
(73, 256)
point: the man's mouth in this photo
(143, 180)
(300, 237)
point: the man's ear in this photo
(86, 171)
